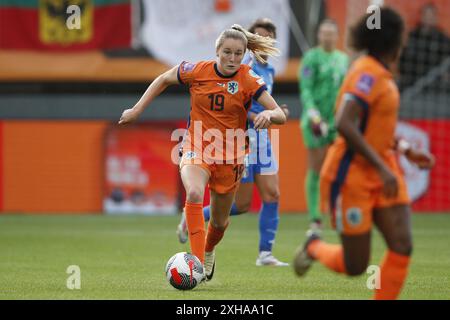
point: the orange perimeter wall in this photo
(54, 166)
(292, 169)
(58, 166)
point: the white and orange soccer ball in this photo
(184, 271)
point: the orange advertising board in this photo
(140, 176)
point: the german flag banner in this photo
(65, 25)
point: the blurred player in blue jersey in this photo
(260, 171)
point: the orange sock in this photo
(330, 255)
(394, 269)
(213, 237)
(196, 228)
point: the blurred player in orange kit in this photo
(361, 182)
(221, 93)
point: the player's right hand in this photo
(128, 116)
(262, 120)
(390, 184)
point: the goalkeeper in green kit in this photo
(321, 74)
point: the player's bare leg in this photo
(268, 187)
(243, 198)
(356, 249)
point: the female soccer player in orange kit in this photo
(361, 182)
(221, 94)
(262, 173)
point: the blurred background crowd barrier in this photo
(64, 82)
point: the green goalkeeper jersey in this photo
(321, 76)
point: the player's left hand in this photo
(262, 120)
(422, 159)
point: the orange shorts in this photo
(351, 203)
(223, 178)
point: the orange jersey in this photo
(373, 86)
(220, 102)
(350, 186)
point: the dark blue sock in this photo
(268, 225)
(207, 211)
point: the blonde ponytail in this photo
(258, 45)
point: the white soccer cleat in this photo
(266, 258)
(182, 231)
(210, 264)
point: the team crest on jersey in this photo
(354, 216)
(233, 87)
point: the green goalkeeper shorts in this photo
(311, 141)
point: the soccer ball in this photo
(184, 271)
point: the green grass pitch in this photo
(124, 258)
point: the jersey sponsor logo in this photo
(188, 66)
(221, 84)
(232, 87)
(354, 216)
(365, 83)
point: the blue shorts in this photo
(261, 159)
